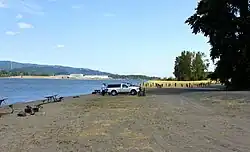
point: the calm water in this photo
(24, 90)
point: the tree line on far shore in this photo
(5, 73)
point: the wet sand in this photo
(164, 120)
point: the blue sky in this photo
(118, 36)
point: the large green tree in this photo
(182, 69)
(199, 66)
(226, 23)
(190, 66)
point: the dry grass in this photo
(171, 84)
(178, 82)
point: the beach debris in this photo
(12, 109)
(29, 110)
(37, 108)
(96, 92)
(76, 96)
(21, 114)
(6, 113)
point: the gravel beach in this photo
(165, 120)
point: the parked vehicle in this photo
(122, 88)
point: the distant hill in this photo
(37, 69)
(47, 69)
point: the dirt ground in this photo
(166, 120)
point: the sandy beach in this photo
(164, 120)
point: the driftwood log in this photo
(37, 108)
(12, 109)
(29, 110)
(21, 114)
(6, 113)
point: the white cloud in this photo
(3, 4)
(109, 15)
(23, 25)
(19, 16)
(60, 46)
(11, 33)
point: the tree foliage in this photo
(190, 66)
(4, 73)
(226, 23)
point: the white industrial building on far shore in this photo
(76, 76)
(96, 77)
(82, 76)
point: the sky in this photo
(117, 36)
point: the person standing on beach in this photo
(103, 89)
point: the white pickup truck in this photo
(122, 88)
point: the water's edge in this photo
(29, 90)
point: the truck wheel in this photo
(133, 92)
(113, 93)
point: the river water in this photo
(25, 90)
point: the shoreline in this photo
(40, 100)
(37, 101)
(149, 90)
(19, 106)
(26, 96)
